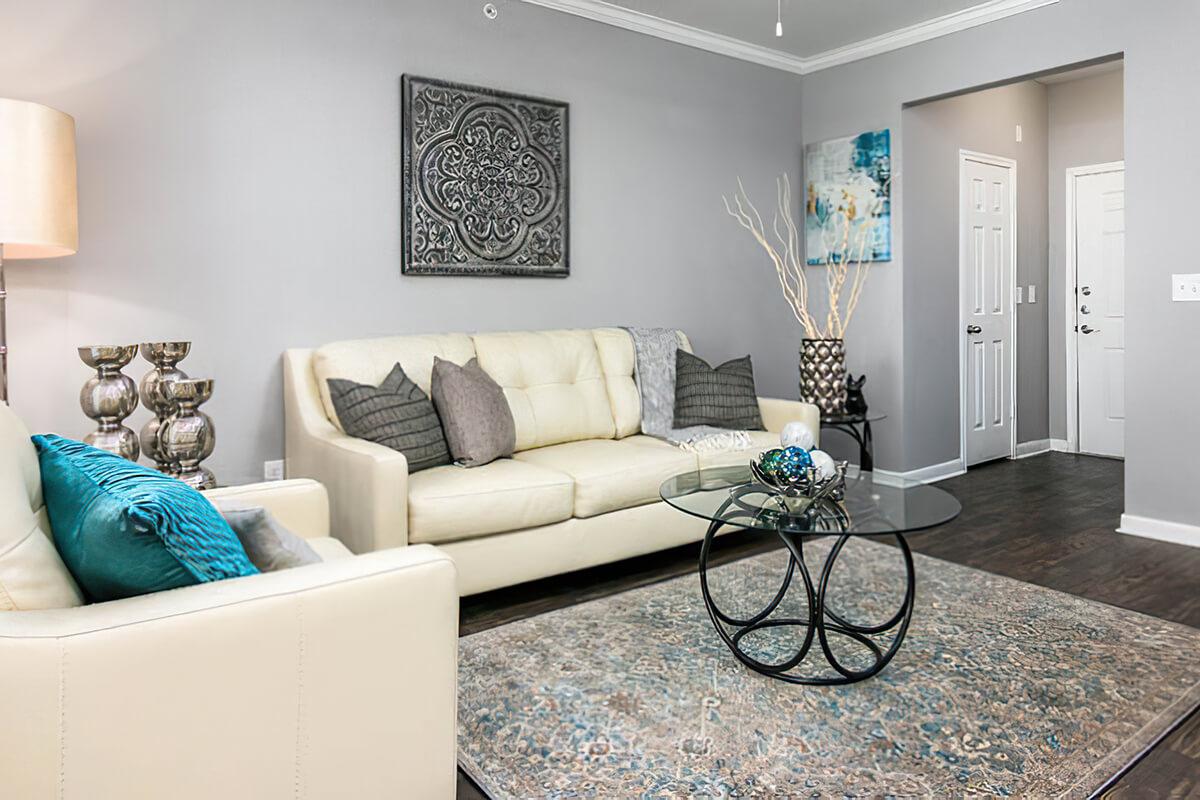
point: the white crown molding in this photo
(1161, 529)
(944, 25)
(677, 32)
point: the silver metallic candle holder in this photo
(164, 356)
(109, 397)
(188, 436)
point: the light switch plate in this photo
(1185, 288)
(1032, 296)
(1019, 301)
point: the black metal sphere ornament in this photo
(821, 516)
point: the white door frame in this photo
(1070, 286)
(1010, 164)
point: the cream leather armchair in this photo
(331, 680)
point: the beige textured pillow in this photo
(475, 414)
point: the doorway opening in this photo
(989, 304)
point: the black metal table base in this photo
(860, 432)
(821, 622)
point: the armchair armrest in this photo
(300, 505)
(776, 413)
(367, 482)
(274, 685)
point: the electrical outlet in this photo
(1185, 288)
(273, 470)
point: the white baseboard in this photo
(1034, 448)
(1161, 529)
(930, 474)
(1060, 446)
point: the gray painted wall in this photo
(934, 133)
(1086, 127)
(239, 187)
(1161, 73)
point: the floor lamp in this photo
(38, 206)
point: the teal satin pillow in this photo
(124, 530)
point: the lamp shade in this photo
(38, 204)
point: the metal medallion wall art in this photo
(178, 437)
(485, 181)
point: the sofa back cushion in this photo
(618, 361)
(369, 361)
(32, 575)
(553, 383)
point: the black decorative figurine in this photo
(856, 404)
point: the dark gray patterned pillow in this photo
(723, 397)
(396, 413)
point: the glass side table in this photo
(858, 428)
(730, 496)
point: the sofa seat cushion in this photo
(763, 441)
(613, 474)
(450, 503)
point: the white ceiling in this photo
(809, 26)
(816, 33)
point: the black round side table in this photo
(729, 496)
(858, 428)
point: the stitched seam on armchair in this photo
(62, 719)
(300, 742)
(234, 603)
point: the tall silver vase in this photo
(109, 397)
(188, 436)
(164, 356)
(823, 374)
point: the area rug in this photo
(1001, 688)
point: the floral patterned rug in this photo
(1001, 688)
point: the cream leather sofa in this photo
(279, 685)
(581, 490)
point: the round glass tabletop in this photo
(730, 495)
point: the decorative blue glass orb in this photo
(794, 461)
(771, 461)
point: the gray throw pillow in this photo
(476, 417)
(723, 397)
(269, 545)
(396, 414)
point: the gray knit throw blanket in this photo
(654, 374)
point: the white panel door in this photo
(1100, 311)
(986, 280)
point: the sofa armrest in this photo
(776, 413)
(300, 505)
(335, 679)
(367, 482)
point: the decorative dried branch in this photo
(844, 240)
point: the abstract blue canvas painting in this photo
(848, 180)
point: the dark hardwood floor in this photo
(1048, 520)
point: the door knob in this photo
(1085, 290)
(974, 329)
(1084, 310)
(1085, 329)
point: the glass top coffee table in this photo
(730, 496)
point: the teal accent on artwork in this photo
(124, 530)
